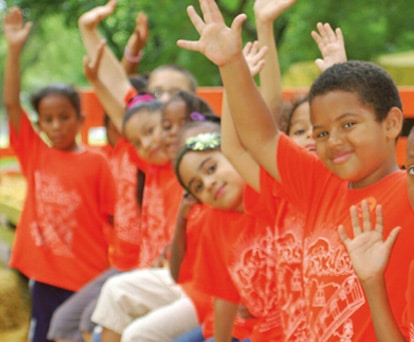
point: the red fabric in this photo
(335, 303)
(237, 254)
(60, 239)
(289, 229)
(131, 93)
(126, 238)
(162, 196)
(195, 223)
(161, 199)
(242, 328)
(408, 317)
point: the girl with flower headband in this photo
(248, 263)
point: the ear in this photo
(393, 123)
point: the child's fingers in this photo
(342, 234)
(329, 33)
(392, 237)
(379, 225)
(247, 48)
(237, 23)
(211, 12)
(355, 221)
(188, 44)
(339, 35)
(195, 19)
(366, 219)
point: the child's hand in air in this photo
(92, 18)
(368, 251)
(254, 55)
(269, 10)
(331, 45)
(139, 37)
(91, 66)
(219, 43)
(15, 29)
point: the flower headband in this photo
(202, 142)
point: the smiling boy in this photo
(356, 116)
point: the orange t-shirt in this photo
(408, 317)
(334, 299)
(161, 200)
(238, 252)
(126, 238)
(195, 223)
(61, 235)
(289, 232)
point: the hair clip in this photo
(139, 99)
(196, 116)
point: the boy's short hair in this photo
(373, 85)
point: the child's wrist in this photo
(130, 58)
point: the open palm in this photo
(368, 251)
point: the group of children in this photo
(266, 223)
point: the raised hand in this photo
(254, 55)
(91, 66)
(331, 45)
(219, 43)
(15, 29)
(139, 38)
(269, 10)
(92, 18)
(368, 251)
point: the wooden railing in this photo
(214, 95)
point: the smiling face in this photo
(173, 119)
(143, 130)
(59, 120)
(210, 177)
(300, 127)
(349, 139)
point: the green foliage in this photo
(371, 28)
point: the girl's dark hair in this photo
(63, 89)
(197, 109)
(295, 105)
(152, 106)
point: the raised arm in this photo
(369, 255)
(266, 12)
(112, 104)
(252, 118)
(112, 73)
(331, 45)
(135, 45)
(16, 33)
(231, 146)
